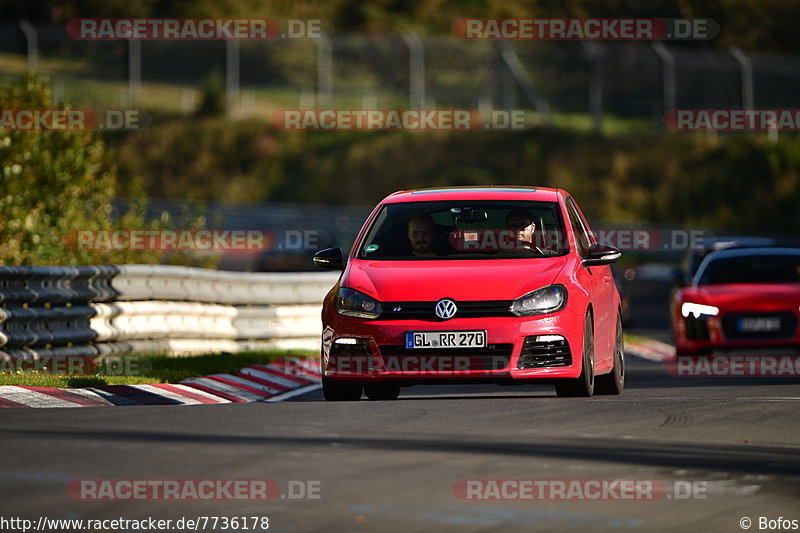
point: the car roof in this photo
(740, 252)
(483, 192)
(743, 252)
(724, 243)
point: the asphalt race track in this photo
(725, 449)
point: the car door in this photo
(599, 282)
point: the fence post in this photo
(32, 44)
(668, 69)
(58, 93)
(134, 70)
(747, 77)
(595, 54)
(324, 71)
(508, 91)
(515, 66)
(232, 76)
(748, 93)
(187, 99)
(416, 69)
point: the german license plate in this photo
(446, 339)
(760, 324)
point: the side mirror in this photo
(330, 259)
(601, 254)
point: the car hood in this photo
(748, 296)
(430, 280)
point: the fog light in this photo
(549, 338)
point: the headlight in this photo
(689, 308)
(355, 304)
(545, 300)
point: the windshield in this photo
(465, 230)
(774, 268)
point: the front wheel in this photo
(583, 386)
(341, 392)
(613, 382)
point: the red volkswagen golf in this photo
(472, 285)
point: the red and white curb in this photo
(652, 350)
(274, 382)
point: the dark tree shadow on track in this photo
(740, 457)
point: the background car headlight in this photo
(545, 300)
(355, 304)
(689, 308)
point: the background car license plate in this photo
(760, 324)
(445, 339)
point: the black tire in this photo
(613, 382)
(382, 391)
(583, 386)
(341, 392)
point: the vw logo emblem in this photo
(446, 309)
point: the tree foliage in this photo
(736, 182)
(55, 183)
(765, 25)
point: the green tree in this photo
(54, 183)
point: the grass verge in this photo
(132, 369)
(636, 339)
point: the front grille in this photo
(492, 357)
(425, 310)
(697, 328)
(788, 328)
(540, 354)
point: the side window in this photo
(587, 229)
(581, 237)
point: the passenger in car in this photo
(421, 231)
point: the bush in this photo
(56, 182)
(212, 100)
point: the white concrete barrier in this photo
(113, 309)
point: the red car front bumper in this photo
(379, 352)
(703, 334)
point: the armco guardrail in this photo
(97, 310)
